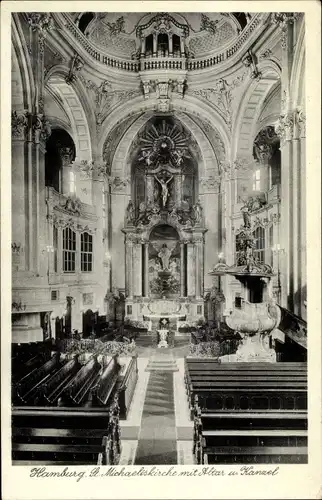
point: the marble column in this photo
(182, 270)
(39, 131)
(66, 155)
(150, 189)
(155, 44)
(227, 183)
(98, 237)
(170, 44)
(137, 269)
(296, 196)
(178, 190)
(191, 269)
(129, 267)
(19, 185)
(198, 265)
(182, 46)
(143, 46)
(146, 269)
(285, 130)
(302, 215)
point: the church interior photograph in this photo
(158, 173)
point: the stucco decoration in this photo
(105, 96)
(221, 95)
(119, 34)
(114, 138)
(76, 114)
(209, 40)
(52, 58)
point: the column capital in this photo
(284, 20)
(285, 127)
(300, 121)
(66, 154)
(40, 127)
(40, 22)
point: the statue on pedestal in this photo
(130, 213)
(246, 216)
(197, 212)
(164, 255)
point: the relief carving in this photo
(19, 124)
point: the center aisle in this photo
(157, 441)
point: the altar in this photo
(152, 312)
(164, 229)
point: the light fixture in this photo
(48, 249)
(277, 248)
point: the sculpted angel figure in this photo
(164, 188)
(197, 212)
(130, 216)
(246, 216)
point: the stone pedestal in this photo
(163, 335)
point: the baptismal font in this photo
(256, 314)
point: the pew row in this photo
(256, 438)
(69, 436)
(245, 386)
(88, 381)
(26, 390)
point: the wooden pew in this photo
(65, 436)
(228, 438)
(119, 376)
(248, 412)
(246, 386)
(79, 387)
(126, 383)
(53, 388)
(106, 382)
(20, 368)
(27, 389)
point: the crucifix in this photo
(165, 190)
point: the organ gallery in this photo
(158, 239)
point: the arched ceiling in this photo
(190, 123)
(116, 32)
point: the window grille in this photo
(86, 252)
(69, 250)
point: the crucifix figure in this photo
(164, 188)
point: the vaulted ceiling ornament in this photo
(162, 24)
(163, 143)
(221, 95)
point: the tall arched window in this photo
(259, 235)
(163, 44)
(69, 250)
(257, 180)
(86, 252)
(72, 182)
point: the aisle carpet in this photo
(157, 441)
